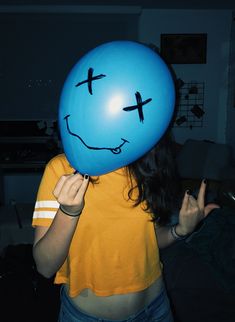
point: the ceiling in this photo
(161, 4)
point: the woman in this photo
(98, 236)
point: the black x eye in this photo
(89, 79)
(138, 106)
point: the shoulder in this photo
(60, 165)
(59, 159)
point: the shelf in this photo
(26, 139)
(19, 168)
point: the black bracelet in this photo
(175, 235)
(71, 214)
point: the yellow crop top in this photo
(114, 249)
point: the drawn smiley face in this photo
(115, 105)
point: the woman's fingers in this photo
(82, 189)
(68, 188)
(73, 185)
(201, 195)
(210, 207)
(185, 202)
(60, 185)
(193, 210)
(192, 202)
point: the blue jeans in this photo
(159, 311)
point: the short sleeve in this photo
(46, 204)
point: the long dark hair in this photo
(156, 179)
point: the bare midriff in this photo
(116, 306)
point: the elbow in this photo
(41, 267)
(44, 272)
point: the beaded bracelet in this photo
(175, 235)
(71, 214)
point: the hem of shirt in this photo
(116, 291)
(45, 222)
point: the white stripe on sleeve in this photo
(47, 204)
(44, 214)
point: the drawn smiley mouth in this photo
(116, 150)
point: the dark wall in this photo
(38, 50)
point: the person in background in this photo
(100, 236)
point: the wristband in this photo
(71, 214)
(175, 235)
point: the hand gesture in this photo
(70, 191)
(193, 210)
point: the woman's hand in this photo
(70, 191)
(193, 210)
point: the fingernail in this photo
(86, 176)
(205, 181)
(188, 192)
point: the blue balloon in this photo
(115, 105)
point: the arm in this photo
(51, 245)
(191, 213)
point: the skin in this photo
(50, 248)
(192, 211)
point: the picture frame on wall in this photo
(184, 48)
